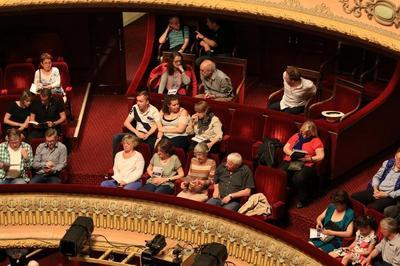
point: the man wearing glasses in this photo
(50, 159)
(15, 159)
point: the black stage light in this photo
(213, 254)
(154, 246)
(76, 236)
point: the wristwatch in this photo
(230, 195)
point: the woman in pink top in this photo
(302, 152)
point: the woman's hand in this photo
(158, 180)
(328, 232)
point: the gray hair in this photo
(235, 158)
(210, 64)
(389, 224)
(201, 148)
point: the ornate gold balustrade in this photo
(39, 219)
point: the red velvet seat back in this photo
(358, 207)
(280, 128)
(182, 156)
(47, 42)
(271, 182)
(325, 165)
(234, 72)
(224, 115)
(346, 99)
(64, 73)
(144, 149)
(247, 123)
(18, 77)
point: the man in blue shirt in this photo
(385, 186)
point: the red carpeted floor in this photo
(92, 159)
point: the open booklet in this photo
(317, 234)
(297, 154)
(157, 171)
(198, 139)
(35, 123)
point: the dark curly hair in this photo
(170, 64)
(167, 101)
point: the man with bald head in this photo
(217, 85)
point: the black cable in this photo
(118, 246)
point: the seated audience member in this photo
(128, 166)
(48, 112)
(233, 180)
(17, 115)
(200, 176)
(385, 186)
(297, 91)
(50, 159)
(217, 85)
(389, 247)
(205, 126)
(15, 158)
(335, 222)
(173, 122)
(363, 244)
(164, 169)
(216, 40)
(175, 77)
(47, 76)
(302, 151)
(177, 36)
(141, 121)
(393, 211)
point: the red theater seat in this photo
(18, 77)
(277, 127)
(65, 82)
(155, 77)
(346, 98)
(272, 183)
(247, 127)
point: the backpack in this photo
(266, 152)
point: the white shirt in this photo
(15, 163)
(297, 96)
(150, 116)
(130, 169)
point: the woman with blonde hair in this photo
(301, 154)
(128, 166)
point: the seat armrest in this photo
(3, 92)
(68, 89)
(224, 143)
(278, 210)
(275, 96)
(314, 112)
(200, 89)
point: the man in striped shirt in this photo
(177, 36)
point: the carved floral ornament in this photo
(144, 217)
(383, 11)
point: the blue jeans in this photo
(38, 178)
(12, 181)
(164, 189)
(233, 205)
(112, 183)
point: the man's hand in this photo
(24, 153)
(209, 96)
(47, 170)
(226, 199)
(380, 194)
(49, 164)
(199, 36)
(141, 135)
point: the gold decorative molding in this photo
(384, 12)
(126, 215)
(324, 15)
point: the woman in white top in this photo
(128, 166)
(47, 76)
(173, 122)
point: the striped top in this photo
(200, 176)
(177, 37)
(172, 123)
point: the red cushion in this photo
(18, 77)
